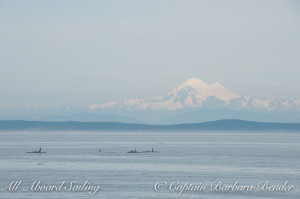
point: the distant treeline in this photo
(219, 125)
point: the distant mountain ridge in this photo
(199, 94)
(191, 102)
(220, 125)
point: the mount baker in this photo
(197, 93)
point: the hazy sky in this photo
(58, 52)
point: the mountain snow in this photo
(197, 93)
(105, 105)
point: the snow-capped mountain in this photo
(191, 102)
(253, 103)
(192, 93)
(197, 93)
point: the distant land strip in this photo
(219, 125)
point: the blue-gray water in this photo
(193, 158)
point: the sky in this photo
(72, 52)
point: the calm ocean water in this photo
(203, 158)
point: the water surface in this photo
(184, 157)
